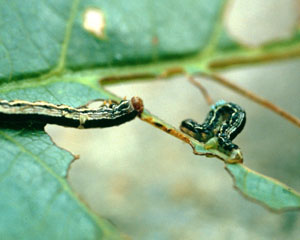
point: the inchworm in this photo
(222, 124)
(43, 112)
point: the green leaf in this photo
(36, 201)
(42, 45)
(49, 35)
(263, 189)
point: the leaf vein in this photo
(65, 44)
(8, 58)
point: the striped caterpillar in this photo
(222, 124)
(18, 111)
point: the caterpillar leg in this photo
(212, 143)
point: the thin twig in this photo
(203, 90)
(262, 101)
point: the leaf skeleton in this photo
(223, 123)
(107, 115)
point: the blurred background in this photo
(151, 186)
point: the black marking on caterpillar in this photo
(222, 124)
(41, 113)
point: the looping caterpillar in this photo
(82, 117)
(222, 124)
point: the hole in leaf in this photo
(94, 22)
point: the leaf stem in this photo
(154, 121)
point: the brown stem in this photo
(204, 92)
(262, 101)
